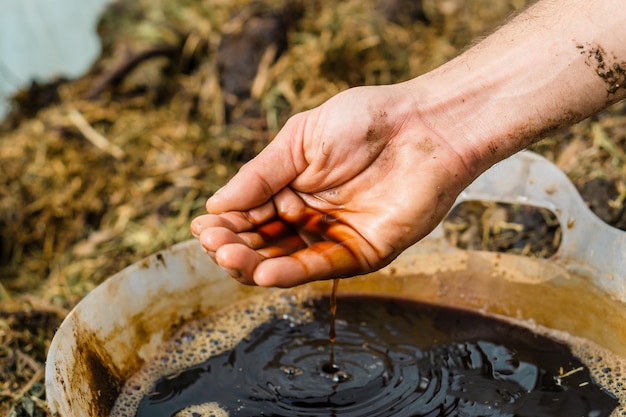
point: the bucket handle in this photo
(588, 245)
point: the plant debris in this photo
(101, 171)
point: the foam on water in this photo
(607, 369)
(200, 340)
(203, 410)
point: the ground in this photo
(101, 171)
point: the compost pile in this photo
(101, 171)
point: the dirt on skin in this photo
(101, 171)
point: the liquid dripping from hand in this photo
(331, 368)
(317, 231)
(332, 333)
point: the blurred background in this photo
(42, 40)
(120, 117)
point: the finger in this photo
(199, 224)
(239, 261)
(322, 260)
(269, 234)
(234, 220)
(208, 221)
(262, 177)
(285, 246)
(213, 238)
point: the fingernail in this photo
(196, 228)
(235, 273)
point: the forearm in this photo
(551, 66)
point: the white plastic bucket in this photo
(581, 290)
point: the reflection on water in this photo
(402, 358)
(44, 39)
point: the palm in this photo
(334, 195)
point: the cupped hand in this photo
(341, 190)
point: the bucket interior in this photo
(120, 324)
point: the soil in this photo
(100, 171)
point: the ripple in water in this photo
(393, 358)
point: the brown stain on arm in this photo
(607, 66)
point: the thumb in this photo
(265, 175)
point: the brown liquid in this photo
(332, 369)
(404, 359)
(320, 233)
(332, 332)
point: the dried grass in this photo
(90, 185)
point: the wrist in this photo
(535, 75)
(485, 112)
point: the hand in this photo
(342, 190)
